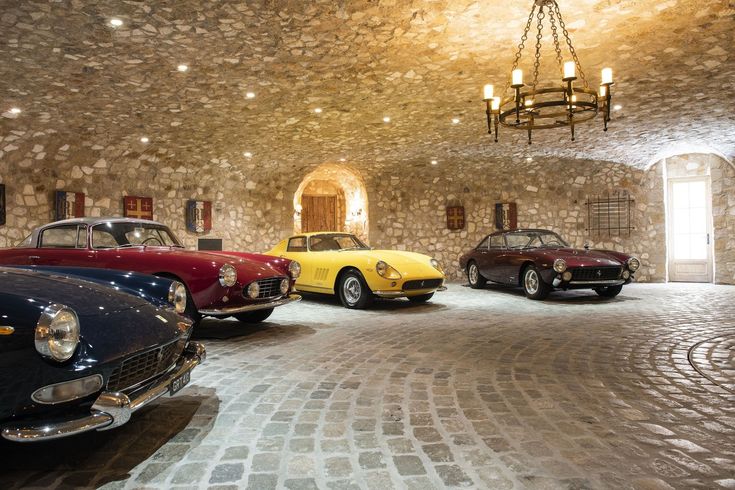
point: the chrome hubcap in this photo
(531, 281)
(352, 290)
(474, 274)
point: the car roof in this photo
(94, 221)
(313, 233)
(523, 230)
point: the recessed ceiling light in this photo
(144, 139)
(250, 95)
(529, 159)
(455, 120)
(247, 154)
(434, 162)
(15, 110)
(182, 68)
(386, 119)
(342, 159)
(318, 110)
(617, 107)
(116, 22)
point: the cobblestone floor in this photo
(479, 389)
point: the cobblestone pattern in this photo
(477, 389)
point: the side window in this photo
(26, 243)
(496, 241)
(62, 237)
(102, 238)
(297, 244)
(483, 244)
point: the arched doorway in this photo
(332, 198)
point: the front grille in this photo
(596, 273)
(422, 284)
(269, 288)
(141, 367)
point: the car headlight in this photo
(294, 269)
(177, 296)
(386, 271)
(227, 275)
(560, 265)
(435, 264)
(285, 286)
(57, 333)
(253, 290)
(634, 264)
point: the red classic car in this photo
(540, 261)
(218, 284)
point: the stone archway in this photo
(335, 198)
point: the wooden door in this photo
(690, 230)
(319, 213)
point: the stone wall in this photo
(549, 193)
(254, 209)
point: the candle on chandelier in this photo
(517, 77)
(495, 104)
(569, 70)
(607, 76)
(603, 90)
(487, 92)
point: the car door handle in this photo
(34, 257)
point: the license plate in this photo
(179, 382)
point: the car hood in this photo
(86, 298)
(576, 257)
(252, 268)
(394, 258)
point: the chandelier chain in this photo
(569, 43)
(521, 45)
(557, 46)
(539, 36)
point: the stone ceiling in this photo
(421, 63)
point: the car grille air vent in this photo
(141, 367)
(596, 273)
(269, 288)
(419, 284)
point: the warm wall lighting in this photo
(144, 139)
(182, 68)
(15, 110)
(116, 22)
(318, 110)
(455, 120)
(250, 95)
(247, 154)
(434, 162)
(386, 119)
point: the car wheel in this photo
(422, 298)
(533, 285)
(354, 291)
(256, 316)
(609, 292)
(474, 277)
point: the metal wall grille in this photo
(610, 215)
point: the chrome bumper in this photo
(401, 293)
(613, 282)
(110, 410)
(291, 298)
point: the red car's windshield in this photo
(534, 239)
(122, 234)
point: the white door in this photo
(690, 225)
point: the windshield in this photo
(534, 239)
(321, 243)
(125, 234)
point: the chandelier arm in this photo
(569, 44)
(539, 36)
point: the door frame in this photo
(670, 181)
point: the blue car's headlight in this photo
(57, 333)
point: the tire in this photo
(422, 298)
(256, 316)
(610, 291)
(354, 292)
(533, 285)
(474, 277)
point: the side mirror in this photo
(586, 245)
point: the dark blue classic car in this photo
(82, 349)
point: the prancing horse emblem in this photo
(599, 273)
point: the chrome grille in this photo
(269, 288)
(596, 273)
(141, 367)
(422, 284)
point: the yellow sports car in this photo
(339, 263)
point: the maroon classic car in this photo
(540, 261)
(218, 284)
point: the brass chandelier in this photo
(555, 106)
